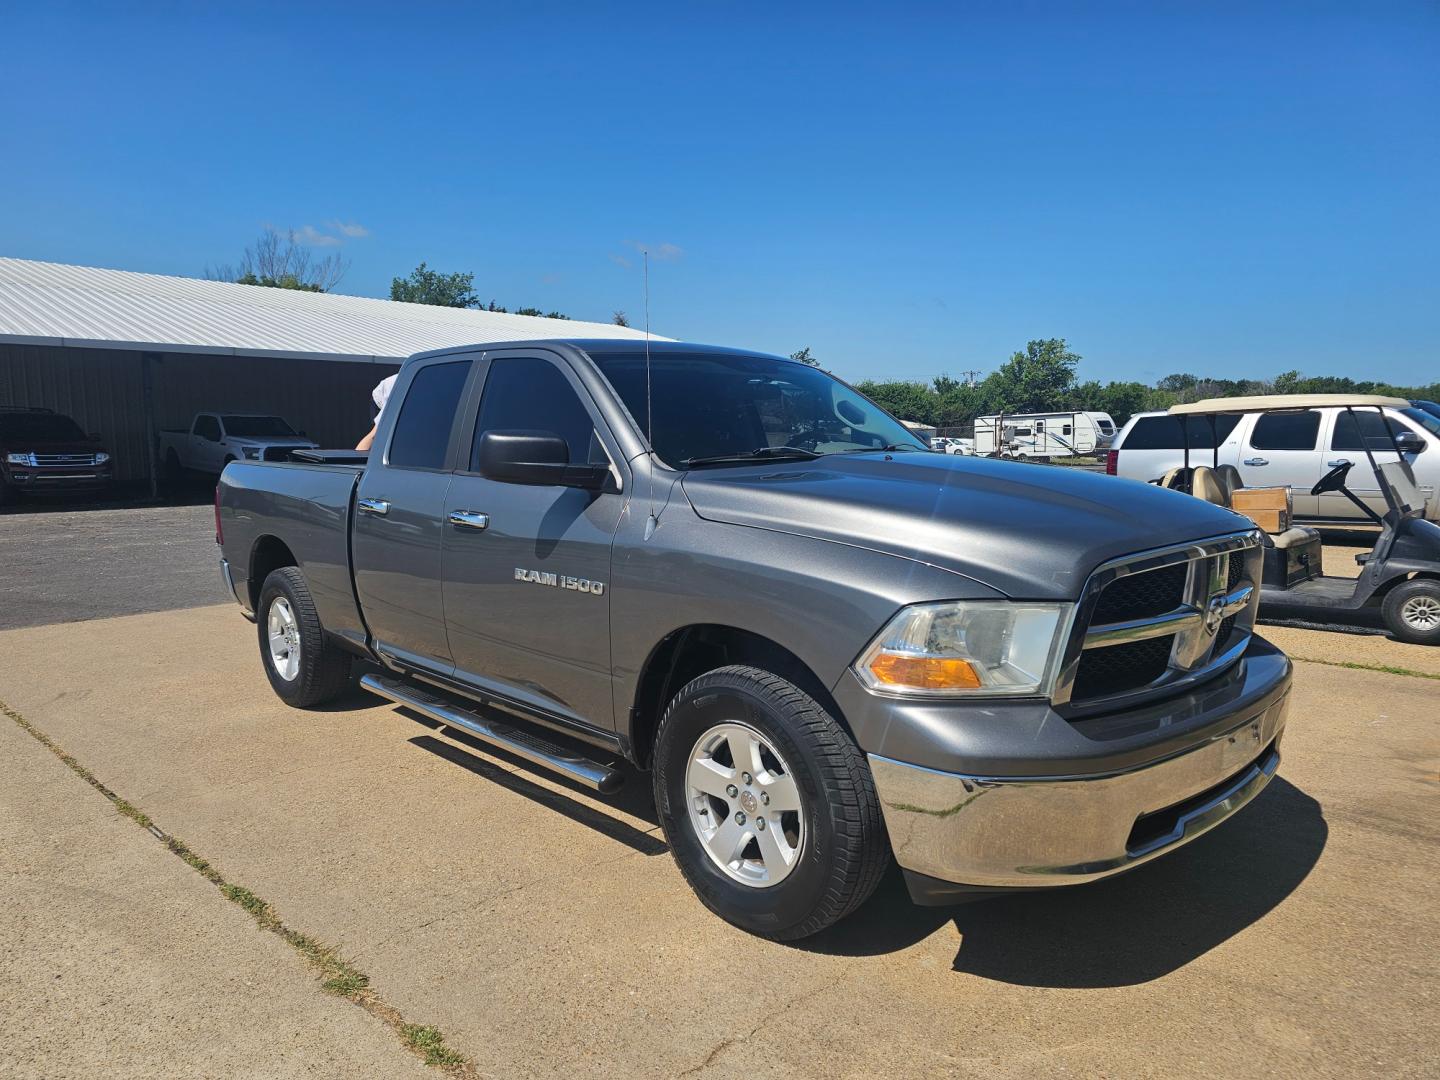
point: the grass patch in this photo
(337, 975)
(428, 1042)
(1388, 669)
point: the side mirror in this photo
(1409, 442)
(539, 458)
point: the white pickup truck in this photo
(213, 440)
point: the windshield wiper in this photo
(882, 449)
(792, 453)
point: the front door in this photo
(399, 515)
(1350, 433)
(527, 568)
(1282, 450)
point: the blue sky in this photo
(906, 189)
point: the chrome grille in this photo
(1150, 623)
(62, 459)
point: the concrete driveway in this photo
(545, 932)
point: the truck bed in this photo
(306, 507)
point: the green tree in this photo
(1036, 380)
(907, 400)
(619, 319)
(426, 286)
(804, 357)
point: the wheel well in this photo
(689, 653)
(268, 554)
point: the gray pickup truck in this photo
(825, 642)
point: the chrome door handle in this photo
(372, 506)
(1337, 463)
(469, 519)
(1255, 461)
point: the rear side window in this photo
(207, 427)
(1164, 433)
(422, 433)
(1286, 431)
(1348, 432)
(525, 393)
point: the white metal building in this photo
(126, 354)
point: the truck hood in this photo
(1031, 531)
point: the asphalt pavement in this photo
(71, 565)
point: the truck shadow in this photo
(1122, 931)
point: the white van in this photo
(1286, 449)
(1043, 435)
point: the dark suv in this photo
(46, 452)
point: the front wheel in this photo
(303, 667)
(1412, 611)
(767, 803)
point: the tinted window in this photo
(1163, 432)
(1428, 420)
(254, 427)
(39, 427)
(1351, 427)
(207, 427)
(524, 393)
(1286, 431)
(713, 404)
(423, 430)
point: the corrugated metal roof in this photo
(57, 304)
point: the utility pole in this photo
(970, 377)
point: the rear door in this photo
(1282, 449)
(400, 513)
(527, 568)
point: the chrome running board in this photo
(533, 748)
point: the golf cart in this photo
(1401, 573)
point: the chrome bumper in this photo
(1036, 832)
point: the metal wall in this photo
(103, 389)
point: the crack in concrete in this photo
(737, 1040)
(341, 978)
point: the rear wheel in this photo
(304, 668)
(1412, 611)
(767, 803)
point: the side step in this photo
(532, 748)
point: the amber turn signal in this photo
(925, 672)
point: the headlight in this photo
(101, 458)
(967, 648)
(20, 459)
(250, 451)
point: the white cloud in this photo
(313, 237)
(621, 260)
(350, 229)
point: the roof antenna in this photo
(650, 522)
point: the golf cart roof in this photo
(1282, 402)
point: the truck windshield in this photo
(1427, 420)
(252, 427)
(709, 407)
(39, 427)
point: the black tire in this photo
(323, 670)
(1403, 609)
(844, 851)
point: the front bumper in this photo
(1073, 823)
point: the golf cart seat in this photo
(1206, 484)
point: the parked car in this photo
(1043, 435)
(213, 440)
(43, 452)
(825, 643)
(964, 447)
(1288, 449)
